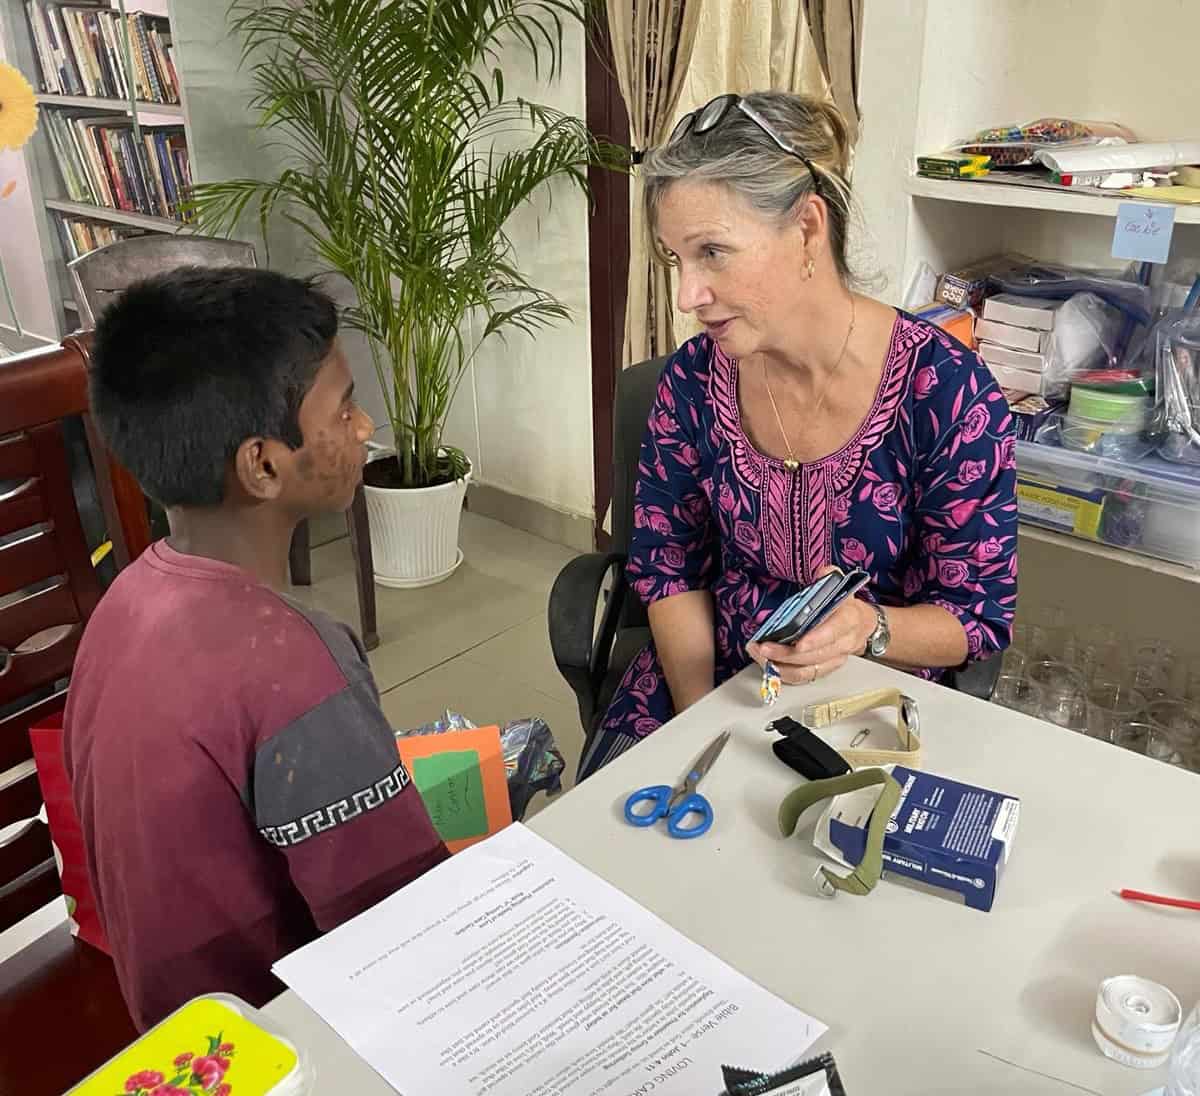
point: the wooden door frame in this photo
(608, 259)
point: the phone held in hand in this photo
(807, 608)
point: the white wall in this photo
(524, 414)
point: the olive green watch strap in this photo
(866, 874)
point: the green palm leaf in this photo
(404, 159)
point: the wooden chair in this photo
(61, 1009)
(103, 274)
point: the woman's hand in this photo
(825, 648)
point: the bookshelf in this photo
(211, 116)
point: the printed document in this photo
(511, 970)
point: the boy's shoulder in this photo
(207, 625)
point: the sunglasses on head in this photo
(713, 113)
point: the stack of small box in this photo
(1014, 340)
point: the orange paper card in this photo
(461, 778)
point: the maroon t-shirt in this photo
(239, 787)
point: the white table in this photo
(921, 994)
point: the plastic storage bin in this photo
(213, 1044)
(1150, 505)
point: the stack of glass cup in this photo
(1135, 694)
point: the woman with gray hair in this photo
(807, 427)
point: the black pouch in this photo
(805, 752)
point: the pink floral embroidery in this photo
(925, 381)
(841, 509)
(747, 536)
(988, 550)
(726, 498)
(971, 470)
(975, 423)
(952, 572)
(674, 557)
(885, 496)
(854, 550)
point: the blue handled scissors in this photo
(675, 804)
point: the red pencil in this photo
(1158, 899)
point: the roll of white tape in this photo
(1136, 1021)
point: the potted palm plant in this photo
(405, 160)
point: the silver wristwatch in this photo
(878, 640)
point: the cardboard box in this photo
(994, 355)
(949, 835)
(1023, 381)
(966, 287)
(1021, 311)
(1015, 338)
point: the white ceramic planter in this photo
(414, 533)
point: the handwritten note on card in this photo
(1143, 232)
(461, 778)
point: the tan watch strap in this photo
(816, 716)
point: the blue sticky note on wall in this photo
(1143, 232)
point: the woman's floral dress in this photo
(922, 497)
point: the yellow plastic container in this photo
(216, 1045)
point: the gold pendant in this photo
(791, 465)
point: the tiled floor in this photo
(476, 643)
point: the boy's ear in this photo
(256, 467)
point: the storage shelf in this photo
(174, 110)
(1028, 197)
(1107, 551)
(116, 216)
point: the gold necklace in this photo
(791, 464)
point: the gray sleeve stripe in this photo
(334, 814)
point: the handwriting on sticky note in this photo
(1143, 232)
(452, 789)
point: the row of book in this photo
(102, 162)
(79, 236)
(81, 51)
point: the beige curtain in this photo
(652, 44)
(743, 46)
(837, 36)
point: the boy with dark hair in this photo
(239, 787)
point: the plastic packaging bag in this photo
(532, 760)
(1015, 146)
(1059, 283)
(1084, 339)
(1177, 355)
(1183, 1070)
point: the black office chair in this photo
(592, 659)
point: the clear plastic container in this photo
(1149, 505)
(1183, 1069)
(218, 1044)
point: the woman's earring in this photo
(811, 267)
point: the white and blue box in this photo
(949, 835)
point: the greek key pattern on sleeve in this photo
(344, 810)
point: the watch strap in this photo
(866, 873)
(907, 737)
